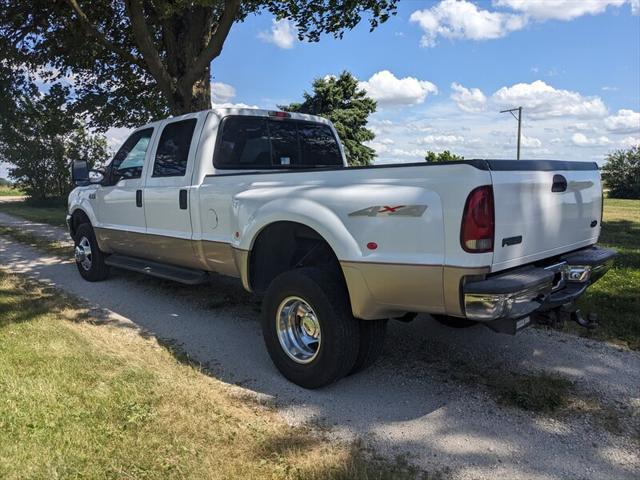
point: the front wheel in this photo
(308, 328)
(89, 258)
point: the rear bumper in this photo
(518, 293)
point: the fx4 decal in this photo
(387, 211)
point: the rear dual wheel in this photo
(310, 332)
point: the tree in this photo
(39, 137)
(339, 100)
(441, 157)
(134, 59)
(621, 173)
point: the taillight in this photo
(478, 221)
(278, 114)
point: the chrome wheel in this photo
(82, 253)
(298, 330)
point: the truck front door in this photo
(121, 220)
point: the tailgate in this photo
(543, 208)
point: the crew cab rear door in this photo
(167, 190)
(543, 209)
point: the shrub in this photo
(621, 173)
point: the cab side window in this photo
(129, 160)
(173, 149)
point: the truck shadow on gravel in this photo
(432, 396)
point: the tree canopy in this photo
(132, 60)
(40, 136)
(621, 173)
(441, 157)
(339, 100)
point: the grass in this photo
(615, 298)
(56, 248)
(536, 393)
(82, 396)
(52, 211)
(6, 191)
(548, 395)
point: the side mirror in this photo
(96, 176)
(80, 172)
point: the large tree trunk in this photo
(190, 40)
(194, 98)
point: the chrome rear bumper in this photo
(518, 293)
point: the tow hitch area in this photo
(557, 317)
(509, 326)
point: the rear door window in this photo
(173, 149)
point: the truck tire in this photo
(89, 257)
(454, 322)
(308, 328)
(372, 333)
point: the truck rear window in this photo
(259, 142)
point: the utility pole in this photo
(519, 118)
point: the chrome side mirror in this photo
(96, 176)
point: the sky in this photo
(442, 70)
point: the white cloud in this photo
(468, 99)
(581, 140)
(378, 127)
(625, 121)
(542, 101)
(238, 105)
(381, 146)
(531, 142)
(630, 141)
(282, 34)
(461, 19)
(222, 95)
(221, 92)
(441, 140)
(559, 9)
(386, 89)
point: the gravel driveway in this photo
(419, 399)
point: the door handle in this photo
(138, 198)
(183, 199)
(559, 184)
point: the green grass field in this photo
(81, 397)
(9, 192)
(52, 212)
(615, 298)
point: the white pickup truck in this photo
(335, 250)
